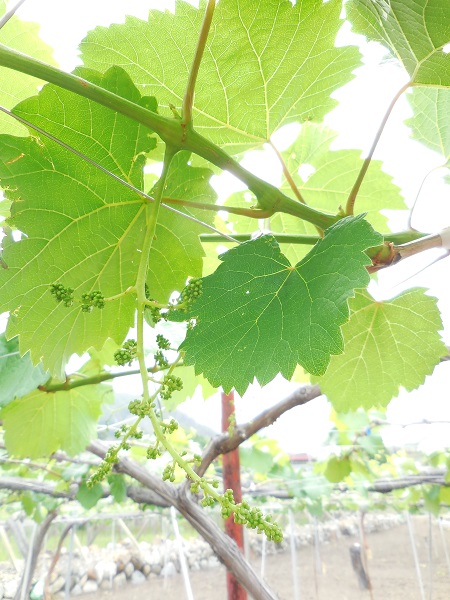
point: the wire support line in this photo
(112, 175)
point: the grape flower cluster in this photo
(89, 300)
(62, 294)
(191, 292)
(126, 354)
(170, 384)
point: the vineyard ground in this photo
(391, 568)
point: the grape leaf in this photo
(387, 345)
(117, 487)
(18, 376)
(62, 202)
(430, 123)
(191, 382)
(337, 469)
(42, 423)
(259, 316)
(333, 175)
(86, 210)
(416, 32)
(89, 496)
(22, 36)
(282, 65)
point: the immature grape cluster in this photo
(154, 311)
(170, 384)
(251, 517)
(93, 299)
(126, 354)
(62, 294)
(191, 292)
(89, 300)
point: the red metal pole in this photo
(232, 480)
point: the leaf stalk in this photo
(355, 189)
(188, 99)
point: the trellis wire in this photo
(295, 579)
(181, 555)
(414, 551)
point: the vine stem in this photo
(352, 197)
(436, 240)
(152, 211)
(299, 238)
(172, 131)
(95, 164)
(287, 174)
(188, 99)
(65, 386)
(253, 213)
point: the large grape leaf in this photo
(61, 203)
(39, 424)
(415, 31)
(82, 228)
(18, 376)
(24, 37)
(431, 123)
(387, 345)
(266, 63)
(259, 316)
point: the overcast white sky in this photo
(362, 105)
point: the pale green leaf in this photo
(83, 229)
(259, 316)
(415, 31)
(266, 64)
(24, 37)
(191, 382)
(387, 345)
(89, 496)
(337, 469)
(18, 376)
(42, 423)
(325, 178)
(431, 123)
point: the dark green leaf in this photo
(259, 316)
(88, 497)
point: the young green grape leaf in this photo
(176, 251)
(282, 65)
(337, 469)
(18, 375)
(117, 487)
(416, 32)
(42, 423)
(24, 37)
(387, 345)
(191, 382)
(89, 496)
(430, 123)
(259, 316)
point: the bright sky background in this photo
(363, 103)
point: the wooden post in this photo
(232, 480)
